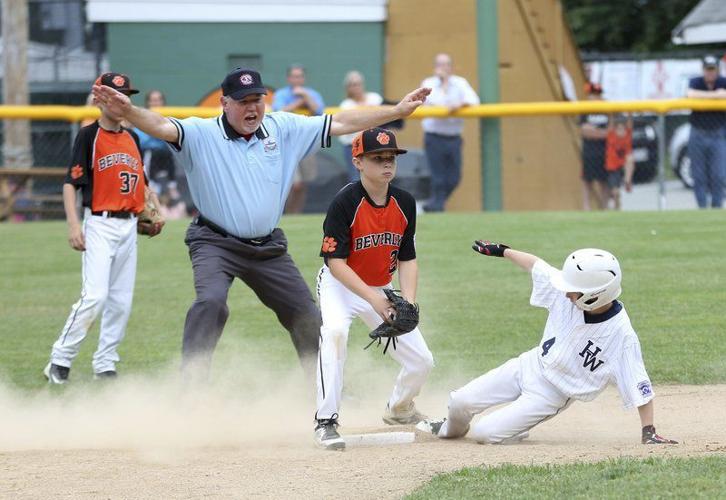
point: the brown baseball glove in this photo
(149, 220)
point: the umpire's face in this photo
(246, 114)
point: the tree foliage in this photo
(625, 25)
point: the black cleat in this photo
(326, 435)
(430, 426)
(56, 374)
(107, 375)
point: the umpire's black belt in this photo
(116, 215)
(200, 220)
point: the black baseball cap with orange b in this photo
(375, 140)
(117, 81)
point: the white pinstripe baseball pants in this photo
(519, 382)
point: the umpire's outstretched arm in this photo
(354, 120)
(148, 121)
(345, 122)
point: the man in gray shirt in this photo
(240, 168)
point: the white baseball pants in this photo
(339, 306)
(108, 276)
(519, 382)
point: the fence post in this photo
(661, 161)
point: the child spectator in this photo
(619, 164)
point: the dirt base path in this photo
(267, 462)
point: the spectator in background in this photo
(442, 136)
(707, 142)
(296, 97)
(593, 128)
(159, 163)
(355, 95)
(619, 163)
(89, 102)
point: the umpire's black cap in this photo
(242, 82)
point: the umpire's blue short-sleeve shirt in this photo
(242, 185)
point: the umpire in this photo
(240, 168)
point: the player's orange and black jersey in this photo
(107, 166)
(372, 238)
(617, 149)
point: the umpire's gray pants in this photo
(268, 270)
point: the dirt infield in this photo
(99, 447)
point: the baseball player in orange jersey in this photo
(106, 166)
(368, 234)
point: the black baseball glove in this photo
(486, 247)
(650, 437)
(403, 320)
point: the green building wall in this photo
(187, 60)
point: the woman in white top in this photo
(356, 95)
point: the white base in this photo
(379, 439)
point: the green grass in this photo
(475, 311)
(616, 479)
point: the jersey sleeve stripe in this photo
(93, 150)
(400, 209)
(325, 137)
(180, 132)
(356, 210)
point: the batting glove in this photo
(488, 248)
(650, 437)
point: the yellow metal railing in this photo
(78, 113)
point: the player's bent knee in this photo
(95, 301)
(334, 334)
(213, 303)
(120, 300)
(425, 365)
(490, 433)
(428, 361)
(306, 314)
(484, 434)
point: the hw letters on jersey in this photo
(591, 357)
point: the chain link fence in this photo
(35, 192)
(642, 162)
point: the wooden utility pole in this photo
(17, 150)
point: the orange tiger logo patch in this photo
(76, 172)
(329, 244)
